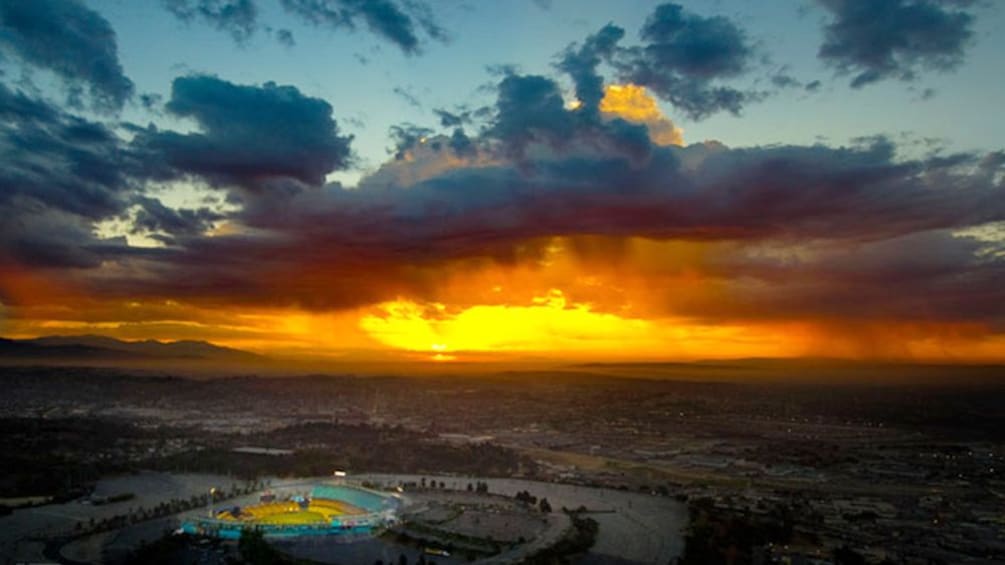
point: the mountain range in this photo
(95, 347)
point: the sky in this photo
(493, 181)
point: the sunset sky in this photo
(461, 180)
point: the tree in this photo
(545, 506)
(254, 549)
(848, 556)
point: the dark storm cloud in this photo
(856, 193)
(718, 193)
(407, 95)
(537, 170)
(57, 160)
(60, 174)
(71, 40)
(250, 135)
(530, 110)
(462, 145)
(451, 119)
(409, 139)
(682, 57)
(318, 245)
(581, 61)
(782, 80)
(151, 102)
(16, 106)
(63, 175)
(153, 216)
(422, 14)
(406, 137)
(285, 37)
(694, 46)
(35, 236)
(239, 18)
(398, 22)
(880, 39)
(879, 280)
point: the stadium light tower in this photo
(212, 495)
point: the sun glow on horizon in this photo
(585, 298)
(551, 324)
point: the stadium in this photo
(341, 510)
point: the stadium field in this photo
(328, 509)
(292, 518)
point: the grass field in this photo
(290, 513)
(293, 518)
(332, 508)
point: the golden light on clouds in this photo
(634, 104)
(573, 298)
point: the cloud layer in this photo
(71, 40)
(239, 18)
(250, 135)
(405, 24)
(401, 24)
(883, 39)
(593, 193)
(683, 58)
(812, 224)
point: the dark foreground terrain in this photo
(890, 469)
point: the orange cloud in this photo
(634, 104)
(564, 298)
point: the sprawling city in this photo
(393, 282)
(670, 469)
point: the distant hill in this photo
(95, 347)
(803, 369)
